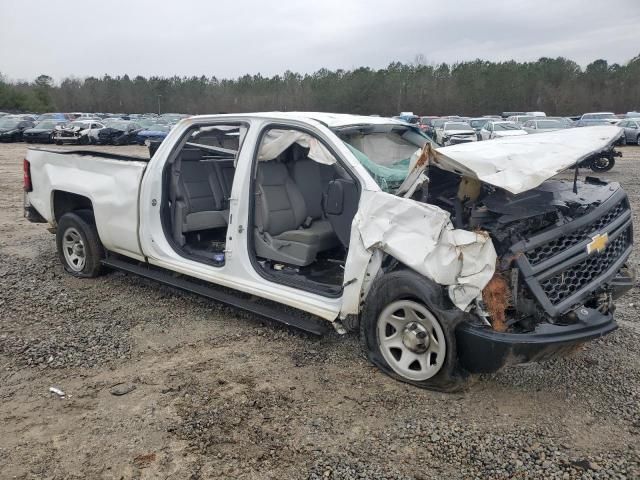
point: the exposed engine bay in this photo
(557, 250)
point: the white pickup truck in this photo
(448, 261)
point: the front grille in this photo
(556, 265)
(67, 134)
(571, 280)
(560, 244)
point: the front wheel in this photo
(602, 164)
(405, 335)
(79, 247)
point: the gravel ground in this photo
(162, 384)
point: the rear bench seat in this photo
(200, 193)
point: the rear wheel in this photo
(638, 140)
(79, 247)
(405, 335)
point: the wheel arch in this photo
(64, 202)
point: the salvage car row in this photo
(85, 129)
(452, 130)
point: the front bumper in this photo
(41, 137)
(483, 350)
(8, 137)
(458, 140)
(64, 139)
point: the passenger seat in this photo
(285, 231)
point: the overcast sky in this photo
(228, 39)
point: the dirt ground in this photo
(222, 394)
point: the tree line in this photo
(557, 86)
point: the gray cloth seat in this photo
(199, 196)
(320, 233)
(313, 179)
(281, 217)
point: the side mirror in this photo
(334, 200)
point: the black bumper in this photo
(483, 350)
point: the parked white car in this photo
(453, 133)
(544, 125)
(317, 219)
(501, 129)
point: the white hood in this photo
(523, 162)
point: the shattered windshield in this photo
(385, 151)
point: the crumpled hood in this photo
(521, 163)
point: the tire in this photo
(83, 140)
(638, 141)
(389, 303)
(78, 244)
(602, 164)
(58, 142)
(623, 140)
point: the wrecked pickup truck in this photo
(447, 261)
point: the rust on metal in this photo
(496, 297)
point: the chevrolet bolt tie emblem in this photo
(598, 243)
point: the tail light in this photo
(26, 178)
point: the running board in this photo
(304, 321)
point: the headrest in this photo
(191, 155)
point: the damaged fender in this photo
(423, 238)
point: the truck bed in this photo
(110, 182)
